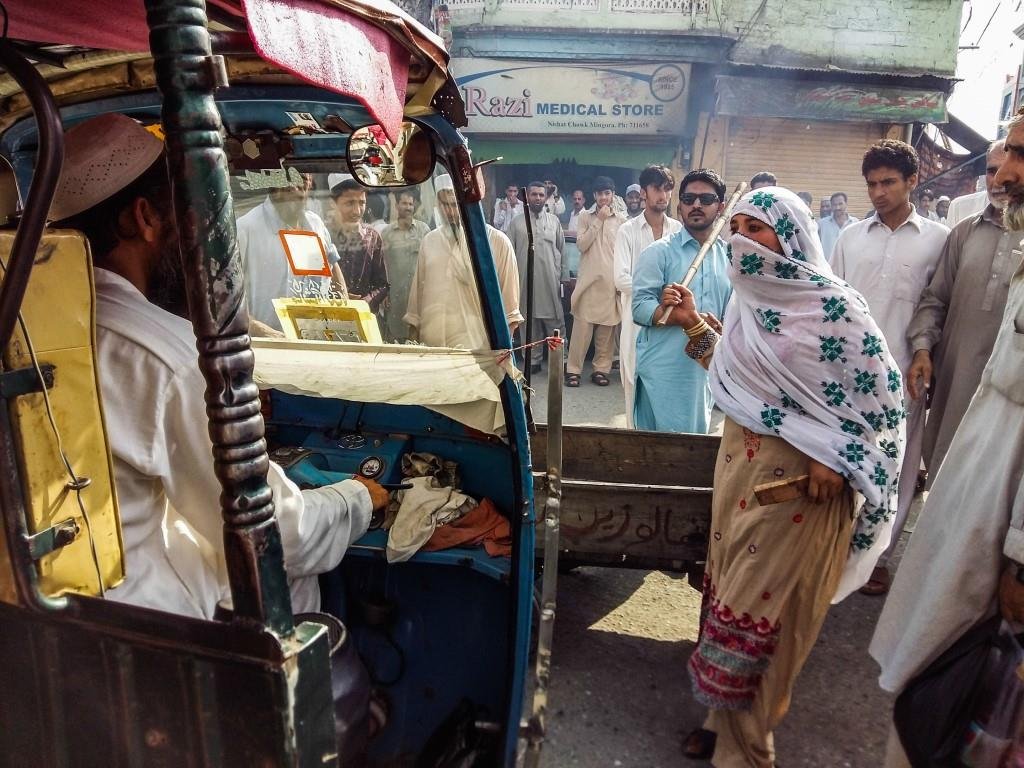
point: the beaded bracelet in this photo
(699, 348)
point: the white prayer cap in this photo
(102, 156)
(334, 179)
(633, 188)
(444, 181)
(943, 199)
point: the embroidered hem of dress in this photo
(731, 656)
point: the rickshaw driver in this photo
(114, 187)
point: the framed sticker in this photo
(305, 251)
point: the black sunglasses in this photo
(707, 198)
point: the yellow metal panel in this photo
(328, 320)
(59, 313)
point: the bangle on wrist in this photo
(699, 329)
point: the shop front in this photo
(811, 134)
(570, 122)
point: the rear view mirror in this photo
(375, 162)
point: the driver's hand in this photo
(379, 497)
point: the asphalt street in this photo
(620, 695)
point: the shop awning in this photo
(764, 97)
(584, 151)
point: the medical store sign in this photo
(523, 97)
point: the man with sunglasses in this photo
(672, 392)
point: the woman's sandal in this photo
(599, 378)
(572, 379)
(699, 744)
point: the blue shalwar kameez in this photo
(672, 392)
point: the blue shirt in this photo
(672, 392)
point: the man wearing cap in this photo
(657, 183)
(153, 392)
(595, 308)
(360, 248)
(634, 201)
(444, 301)
(268, 274)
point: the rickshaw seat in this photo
(59, 314)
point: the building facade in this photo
(567, 89)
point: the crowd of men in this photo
(937, 294)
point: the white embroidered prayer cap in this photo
(102, 156)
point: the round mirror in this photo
(376, 162)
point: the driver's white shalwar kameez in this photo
(444, 303)
(169, 497)
(631, 239)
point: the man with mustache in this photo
(957, 319)
(965, 560)
(672, 392)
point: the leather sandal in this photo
(878, 584)
(599, 378)
(699, 744)
(572, 379)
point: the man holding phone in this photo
(595, 309)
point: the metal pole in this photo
(187, 76)
(528, 333)
(19, 269)
(537, 725)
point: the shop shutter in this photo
(816, 156)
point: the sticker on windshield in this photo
(305, 251)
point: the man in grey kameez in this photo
(965, 560)
(548, 246)
(957, 319)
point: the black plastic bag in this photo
(933, 713)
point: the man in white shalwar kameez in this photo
(965, 560)
(890, 259)
(444, 301)
(656, 185)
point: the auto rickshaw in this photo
(247, 94)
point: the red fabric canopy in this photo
(319, 43)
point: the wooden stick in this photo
(716, 228)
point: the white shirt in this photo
(891, 269)
(828, 231)
(966, 206)
(633, 236)
(503, 216)
(168, 494)
(574, 217)
(555, 206)
(630, 241)
(444, 302)
(267, 274)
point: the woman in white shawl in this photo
(810, 390)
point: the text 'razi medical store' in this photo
(570, 122)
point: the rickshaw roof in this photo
(379, 40)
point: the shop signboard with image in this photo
(506, 96)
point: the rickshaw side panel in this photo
(633, 499)
(111, 691)
(605, 454)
